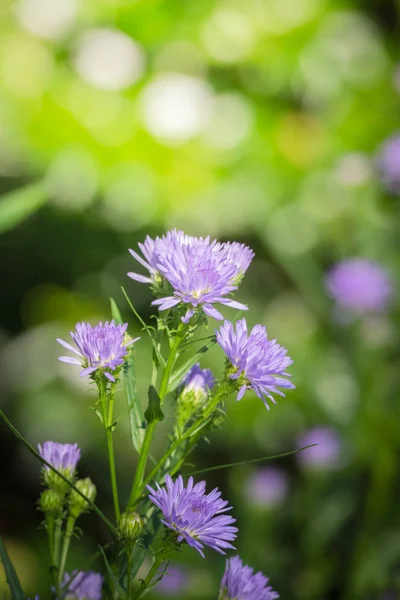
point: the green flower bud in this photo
(130, 526)
(77, 504)
(53, 481)
(50, 503)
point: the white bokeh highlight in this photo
(109, 59)
(176, 107)
(47, 19)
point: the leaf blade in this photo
(12, 578)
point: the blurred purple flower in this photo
(241, 583)
(201, 272)
(388, 163)
(359, 285)
(327, 451)
(84, 585)
(174, 581)
(194, 515)
(259, 363)
(98, 348)
(63, 457)
(266, 487)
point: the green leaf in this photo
(12, 578)
(181, 371)
(249, 462)
(135, 410)
(118, 590)
(32, 450)
(153, 410)
(20, 204)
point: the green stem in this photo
(148, 437)
(69, 530)
(208, 412)
(108, 422)
(57, 541)
(153, 571)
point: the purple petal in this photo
(68, 347)
(87, 371)
(211, 311)
(140, 278)
(70, 360)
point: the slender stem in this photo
(141, 466)
(129, 574)
(148, 437)
(208, 411)
(57, 541)
(108, 422)
(153, 571)
(69, 530)
(50, 534)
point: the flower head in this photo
(255, 361)
(241, 583)
(101, 348)
(83, 585)
(359, 285)
(198, 271)
(64, 458)
(388, 163)
(195, 516)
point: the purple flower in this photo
(99, 348)
(174, 581)
(327, 451)
(63, 457)
(194, 515)
(199, 272)
(256, 362)
(241, 583)
(266, 487)
(198, 381)
(359, 285)
(388, 163)
(83, 585)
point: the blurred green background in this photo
(255, 121)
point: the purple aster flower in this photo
(256, 362)
(63, 457)
(266, 487)
(241, 583)
(194, 515)
(174, 581)
(102, 348)
(327, 451)
(83, 585)
(359, 285)
(388, 163)
(200, 272)
(197, 380)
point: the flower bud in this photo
(77, 504)
(193, 393)
(130, 526)
(50, 503)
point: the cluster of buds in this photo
(58, 493)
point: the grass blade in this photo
(12, 578)
(249, 462)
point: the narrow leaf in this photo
(12, 578)
(135, 410)
(181, 371)
(117, 588)
(153, 410)
(20, 204)
(249, 462)
(32, 450)
(151, 336)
